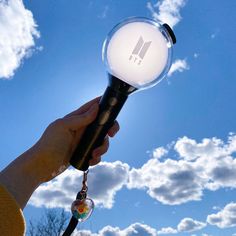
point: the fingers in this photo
(114, 129)
(98, 152)
(77, 121)
(84, 108)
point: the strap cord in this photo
(82, 194)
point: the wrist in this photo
(20, 179)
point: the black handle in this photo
(109, 108)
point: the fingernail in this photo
(113, 132)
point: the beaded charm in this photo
(82, 207)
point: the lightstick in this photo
(137, 54)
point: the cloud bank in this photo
(132, 230)
(175, 174)
(18, 31)
(186, 225)
(206, 165)
(104, 181)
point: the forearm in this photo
(20, 178)
(51, 154)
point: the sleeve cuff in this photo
(11, 216)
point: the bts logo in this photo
(140, 51)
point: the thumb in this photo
(76, 122)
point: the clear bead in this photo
(82, 209)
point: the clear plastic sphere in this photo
(138, 51)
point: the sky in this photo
(171, 169)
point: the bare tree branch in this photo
(52, 223)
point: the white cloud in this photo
(60, 192)
(167, 11)
(209, 164)
(178, 65)
(159, 152)
(196, 55)
(138, 229)
(110, 177)
(18, 31)
(167, 230)
(225, 218)
(170, 182)
(189, 149)
(194, 167)
(104, 181)
(190, 225)
(186, 225)
(132, 230)
(216, 208)
(84, 232)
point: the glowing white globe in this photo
(138, 51)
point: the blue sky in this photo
(171, 168)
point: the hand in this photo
(57, 144)
(50, 156)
